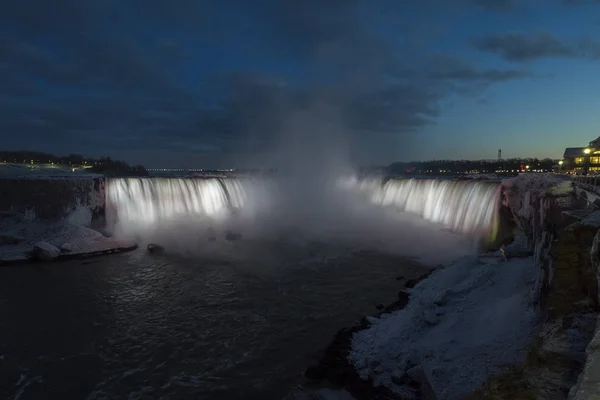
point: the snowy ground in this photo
(80, 239)
(463, 323)
(480, 176)
(534, 182)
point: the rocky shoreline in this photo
(31, 257)
(335, 371)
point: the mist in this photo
(312, 197)
(347, 219)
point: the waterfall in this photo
(148, 201)
(461, 206)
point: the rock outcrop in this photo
(587, 386)
(51, 198)
(45, 251)
(560, 236)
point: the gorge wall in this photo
(560, 228)
(49, 198)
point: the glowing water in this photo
(461, 206)
(145, 202)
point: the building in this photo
(582, 159)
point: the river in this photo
(239, 323)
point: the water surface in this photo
(238, 323)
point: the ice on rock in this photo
(66, 247)
(45, 251)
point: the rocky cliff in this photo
(559, 229)
(49, 197)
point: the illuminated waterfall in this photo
(147, 201)
(462, 206)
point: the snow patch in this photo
(462, 324)
(46, 238)
(533, 182)
(592, 220)
(480, 176)
(82, 215)
(45, 251)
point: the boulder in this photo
(154, 248)
(45, 251)
(66, 248)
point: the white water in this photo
(461, 206)
(179, 212)
(156, 199)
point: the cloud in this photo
(456, 69)
(578, 2)
(200, 78)
(589, 48)
(518, 46)
(495, 5)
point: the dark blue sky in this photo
(193, 83)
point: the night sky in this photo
(225, 82)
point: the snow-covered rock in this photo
(61, 235)
(485, 321)
(66, 247)
(592, 219)
(480, 176)
(154, 248)
(45, 251)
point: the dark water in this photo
(239, 324)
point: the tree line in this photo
(103, 165)
(110, 167)
(472, 166)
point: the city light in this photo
(561, 162)
(587, 151)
